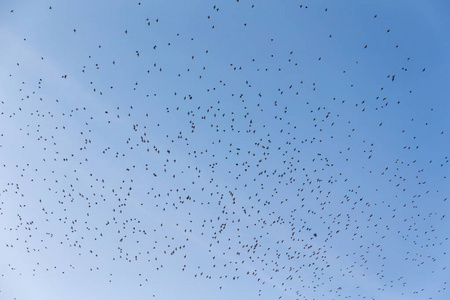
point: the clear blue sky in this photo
(224, 150)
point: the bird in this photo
(235, 158)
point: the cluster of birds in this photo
(223, 152)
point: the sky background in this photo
(224, 150)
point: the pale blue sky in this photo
(261, 150)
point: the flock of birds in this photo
(147, 148)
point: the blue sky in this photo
(229, 150)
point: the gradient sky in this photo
(224, 150)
